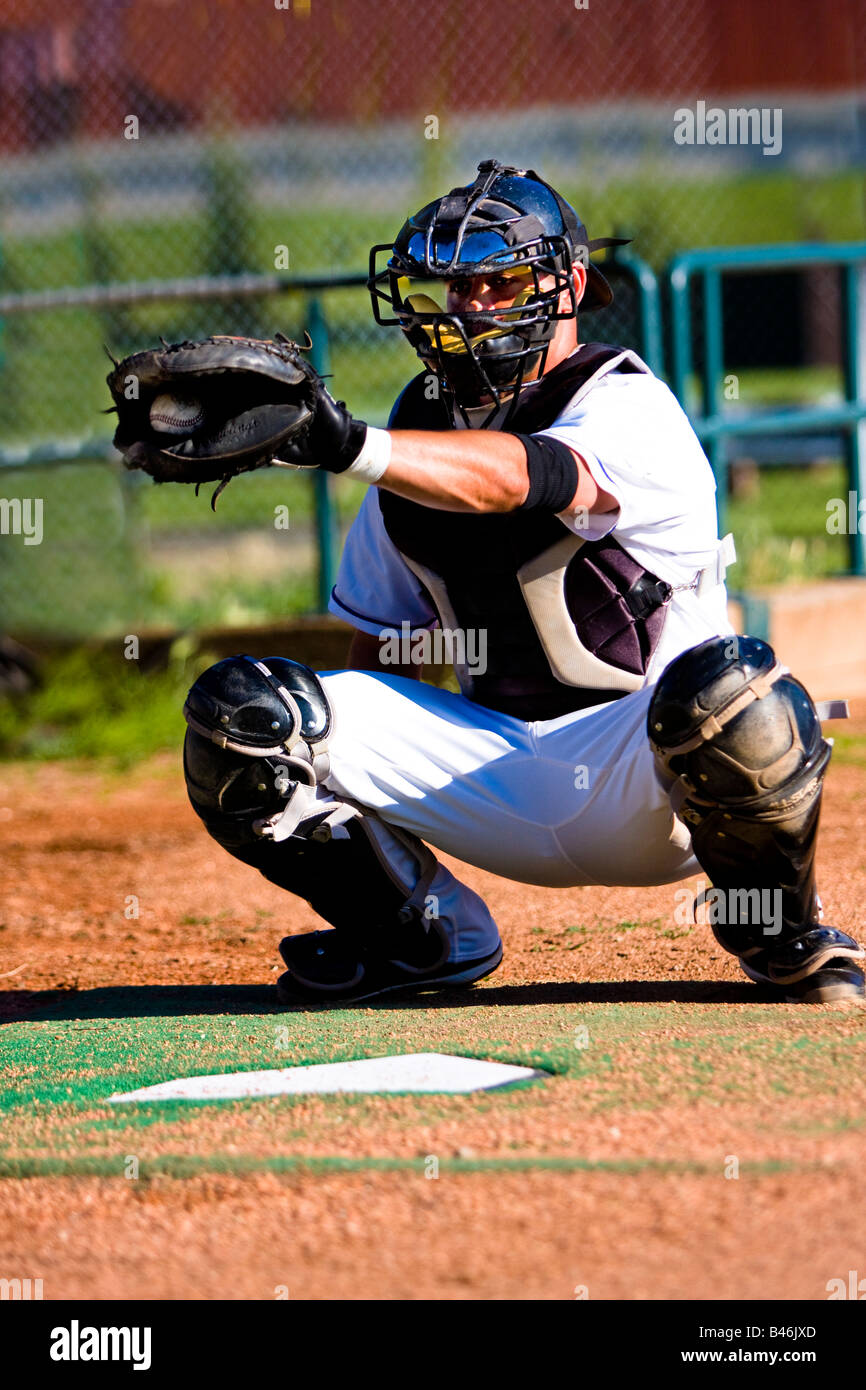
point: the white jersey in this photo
(640, 448)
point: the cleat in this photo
(819, 967)
(327, 967)
(839, 981)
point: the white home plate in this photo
(417, 1071)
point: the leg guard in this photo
(255, 756)
(741, 742)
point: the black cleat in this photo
(839, 981)
(328, 967)
(819, 967)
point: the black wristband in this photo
(552, 470)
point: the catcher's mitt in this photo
(200, 412)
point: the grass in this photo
(849, 749)
(191, 1165)
(95, 573)
(780, 527)
(61, 1066)
(248, 502)
(99, 707)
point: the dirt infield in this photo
(688, 1116)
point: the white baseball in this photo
(175, 414)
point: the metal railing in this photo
(713, 427)
(201, 288)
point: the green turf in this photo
(100, 707)
(780, 527)
(61, 1064)
(190, 1165)
(849, 750)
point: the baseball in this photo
(175, 414)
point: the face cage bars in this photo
(556, 249)
(510, 320)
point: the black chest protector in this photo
(561, 623)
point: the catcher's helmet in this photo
(508, 219)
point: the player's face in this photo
(495, 292)
(487, 293)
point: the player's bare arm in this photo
(472, 473)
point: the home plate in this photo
(416, 1071)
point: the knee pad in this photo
(256, 749)
(736, 731)
(255, 755)
(741, 741)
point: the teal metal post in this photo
(326, 519)
(651, 348)
(855, 389)
(681, 332)
(712, 379)
(712, 427)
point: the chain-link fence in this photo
(153, 139)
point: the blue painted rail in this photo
(712, 425)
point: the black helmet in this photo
(507, 219)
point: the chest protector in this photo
(569, 623)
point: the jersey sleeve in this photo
(640, 448)
(375, 588)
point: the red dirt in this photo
(78, 844)
(396, 1236)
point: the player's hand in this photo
(333, 440)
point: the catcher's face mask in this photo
(509, 222)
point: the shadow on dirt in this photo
(151, 1001)
(136, 1001)
(602, 992)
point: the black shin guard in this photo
(743, 741)
(346, 882)
(343, 880)
(255, 755)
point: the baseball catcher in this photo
(544, 502)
